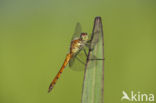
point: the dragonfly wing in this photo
(78, 61)
(75, 62)
(77, 31)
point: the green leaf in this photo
(93, 84)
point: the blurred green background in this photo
(35, 37)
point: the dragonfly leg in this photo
(96, 59)
(80, 60)
(89, 47)
(85, 52)
(88, 44)
(93, 57)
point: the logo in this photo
(137, 96)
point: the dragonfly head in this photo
(84, 36)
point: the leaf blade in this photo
(93, 84)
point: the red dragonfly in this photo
(79, 41)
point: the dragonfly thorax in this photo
(76, 45)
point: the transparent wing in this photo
(78, 61)
(77, 31)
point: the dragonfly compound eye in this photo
(84, 36)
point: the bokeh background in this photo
(35, 37)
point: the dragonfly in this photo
(78, 43)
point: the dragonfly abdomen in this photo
(60, 71)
